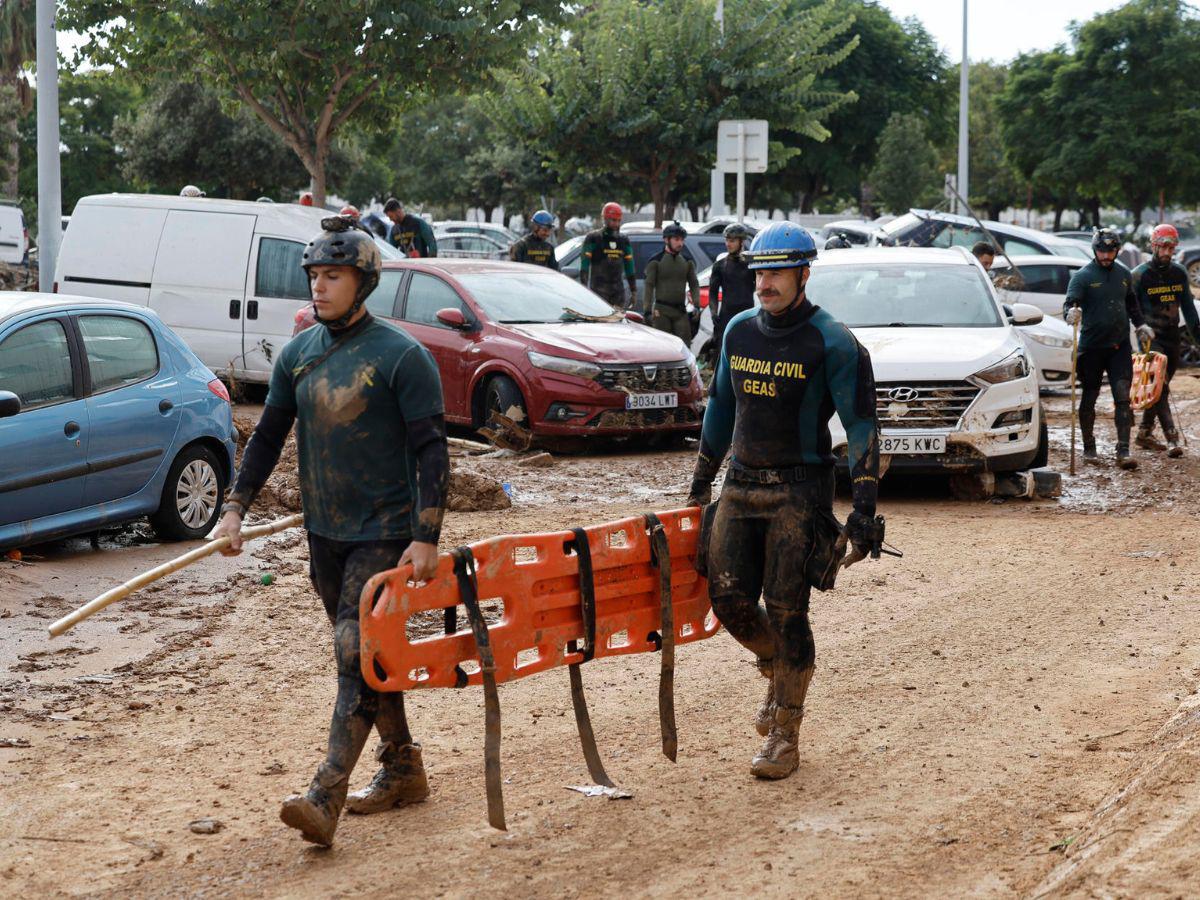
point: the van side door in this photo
(276, 288)
(199, 282)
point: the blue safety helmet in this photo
(781, 245)
(543, 218)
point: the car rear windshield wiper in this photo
(524, 322)
(915, 325)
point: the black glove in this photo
(860, 533)
(702, 478)
(700, 493)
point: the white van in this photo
(224, 274)
(14, 239)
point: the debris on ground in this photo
(541, 460)
(507, 432)
(205, 826)
(472, 492)
(600, 790)
(14, 742)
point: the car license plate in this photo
(896, 444)
(667, 400)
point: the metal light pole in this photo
(717, 178)
(963, 127)
(49, 183)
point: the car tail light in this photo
(218, 387)
(704, 296)
(54, 288)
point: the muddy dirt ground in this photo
(1009, 710)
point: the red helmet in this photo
(612, 211)
(1164, 234)
(351, 211)
(306, 199)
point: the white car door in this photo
(199, 282)
(276, 289)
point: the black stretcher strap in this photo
(660, 557)
(587, 593)
(464, 571)
(451, 626)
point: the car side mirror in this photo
(10, 404)
(635, 317)
(453, 318)
(1023, 314)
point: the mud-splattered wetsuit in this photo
(605, 263)
(1105, 296)
(779, 380)
(374, 468)
(1163, 293)
(730, 291)
(535, 251)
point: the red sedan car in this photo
(511, 335)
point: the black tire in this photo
(502, 395)
(1042, 457)
(191, 497)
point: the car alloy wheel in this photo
(196, 493)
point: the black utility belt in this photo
(792, 475)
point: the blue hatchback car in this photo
(105, 416)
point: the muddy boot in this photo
(1147, 441)
(315, 814)
(780, 753)
(1089, 441)
(766, 710)
(1176, 449)
(399, 782)
(1124, 460)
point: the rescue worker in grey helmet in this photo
(534, 248)
(731, 283)
(1163, 292)
(374, 467)
(670, 274)
(1100, 296)
(838, 241)
(782, 372)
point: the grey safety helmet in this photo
(838, 242)
(1105, 239)
(343, 243)
(736, 231)
(674, 229)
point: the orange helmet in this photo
(612, 211)
(306, 199)
(351, 211)
(1164, 234)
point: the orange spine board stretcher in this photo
(1149, 376)
(536, 576)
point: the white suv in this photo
(955, 389)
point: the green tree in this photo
(182, 136)
(906, 166)
(18, 46)
(634, 91)
(310, 69)
(897, 67)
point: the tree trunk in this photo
(669, 211)
(13, 150)
(318, 181)
(487, 212)
(658, 193)
(1058, 214)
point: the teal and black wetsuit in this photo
(779, 381)
(1163, 293)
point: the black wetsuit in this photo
(779, 380)
(535, 251)
(1163, 293)
(730, 291)
(606, 264)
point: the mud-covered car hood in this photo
(935, 354)
(617, 342)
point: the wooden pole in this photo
(137, 583)
(1074, 360)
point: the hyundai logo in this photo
(650, 371)
(903, 394)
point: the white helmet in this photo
(190, 190)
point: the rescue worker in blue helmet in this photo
(782, 371)
(534, 248)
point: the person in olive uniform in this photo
(409, 234)
(606, 260)
(669, 276)
(1100, 295)
(534, 248)
(1162, 290)
(374, 470)
(731, 283)
(782, 372)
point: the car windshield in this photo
(563, 250)
(899, 295)
(1070, 248)
(900, 224)
(517, 297)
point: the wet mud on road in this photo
(1002, 712)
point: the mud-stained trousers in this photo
(673, 320)
(764, 538)
(1093, 364)
(338, 570)
(1161, 411)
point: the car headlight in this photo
(1050, 340)
(577, 367)
(1009, 369)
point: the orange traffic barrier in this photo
(536, 578)
(1149, 376)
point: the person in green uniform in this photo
(534, 248)
(1100, 295)
(374, 468)
(409, 234)
(669, 275)
(607, 258)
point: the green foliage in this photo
(310, 68)
(906, 167)
(634, 91)
(181, 136)
(995, 184)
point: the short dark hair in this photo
(983, 248)
(392, 205)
